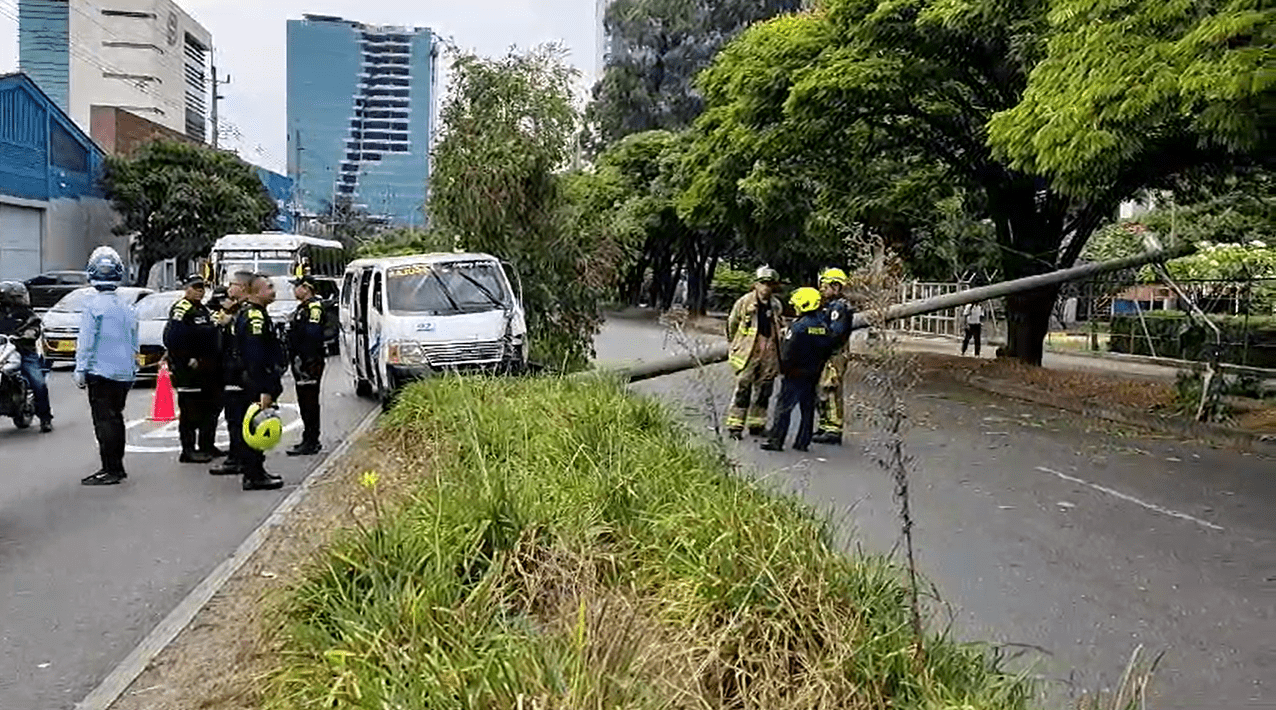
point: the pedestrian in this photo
(839, 314)
(973, 316)
(231, 387)
(106, 362)
(17, 319)
(753, 328)
(307, 348)
(258, 367)
(804, 350)
(190, 337)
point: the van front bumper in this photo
(402, 374)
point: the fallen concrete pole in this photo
(718, 352)
(1027, 283)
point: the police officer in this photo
(306, 346)
(190, 337)
(258, 367)
(231, 385)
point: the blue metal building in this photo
(52, 213)
(360, 114)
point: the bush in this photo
(1177, 336)
(575, 548)
(728, 286)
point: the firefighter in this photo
(190, 337)
(804, 350)
(231, 386)
(839, 314)
(306, 346)
(754, 331)
(257, 367)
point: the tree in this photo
(506, 129)
(961, 94)
(663, 44)
(402, 241)
(177, 199)
(344, 220)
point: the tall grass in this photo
(575, 548)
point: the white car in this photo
(152, 315)
(62, 321)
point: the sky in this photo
(249, 36)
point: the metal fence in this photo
(948, 322)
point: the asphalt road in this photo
(1069, 542)
(86, 573)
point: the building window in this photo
(134, 45)
(129, 13)
(65, 151)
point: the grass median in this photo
(573, 546)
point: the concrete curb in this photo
(122, 676)
(1251, 441)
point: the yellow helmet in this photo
(834, 276)
(262, 428)
(805, 299)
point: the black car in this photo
(49, 288)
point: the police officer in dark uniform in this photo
(190, 336)
(306, 346)
(259, 365)
(231, 385)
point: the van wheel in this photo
(389, 393)
(362, 388)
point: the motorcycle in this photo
(17, 398)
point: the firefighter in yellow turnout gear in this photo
(832, 400)
(753, 328)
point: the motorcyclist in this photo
(17, 319)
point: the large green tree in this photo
(884, 96)
(507, 127)
(648, 83)
(177, 198)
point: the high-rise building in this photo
(144, 56)
(360, 117)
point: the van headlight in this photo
(405, 352)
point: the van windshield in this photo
(451, 287)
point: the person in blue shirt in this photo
(805, 347)
(106, 362)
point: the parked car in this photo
(152, 315)
(49, 288)
(62, 321)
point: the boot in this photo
(46, 425)
(228, 468)
(259, 480)
(213, 452)
(827, 437)
(736, 434)
(772, 445)
(194, 457)
(305, 449)
(757, 430)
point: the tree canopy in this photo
(872, 114)
(178, 198)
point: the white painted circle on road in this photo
(167, 431)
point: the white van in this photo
(405, 317)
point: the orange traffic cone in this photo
(162, 409)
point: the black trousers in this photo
(799, 392)
(308, 403)
(237, 403)
(208, 438)
(197, 420)
(973, 330)
(106, 405)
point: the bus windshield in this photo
(227, 269)
(451, 287)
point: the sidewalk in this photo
(1053, 360)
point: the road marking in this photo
(169, 431)
(122, 676)
(1129, 498)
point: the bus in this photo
(276, 254)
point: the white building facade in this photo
(148, 57)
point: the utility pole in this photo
(216, 97)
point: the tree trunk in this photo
(1028, 322)
(144, 265)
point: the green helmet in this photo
(262, 428)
